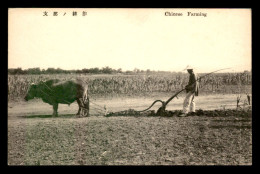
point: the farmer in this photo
(191, 91)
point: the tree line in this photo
(104, 70)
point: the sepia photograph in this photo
(129, 87)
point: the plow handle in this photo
(175, 95)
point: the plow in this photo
(163, 112)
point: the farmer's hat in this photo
(188, 67)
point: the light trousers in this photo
(189, 103)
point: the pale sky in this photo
(130, 38)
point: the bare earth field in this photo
(36, 138)
(114, 104)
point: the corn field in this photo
(137, 84)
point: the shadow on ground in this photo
(48, 116)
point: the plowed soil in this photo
(40, 139)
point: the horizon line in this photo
(100, 68)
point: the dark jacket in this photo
(193, 84)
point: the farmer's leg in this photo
(192, 104)
(186, 102)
